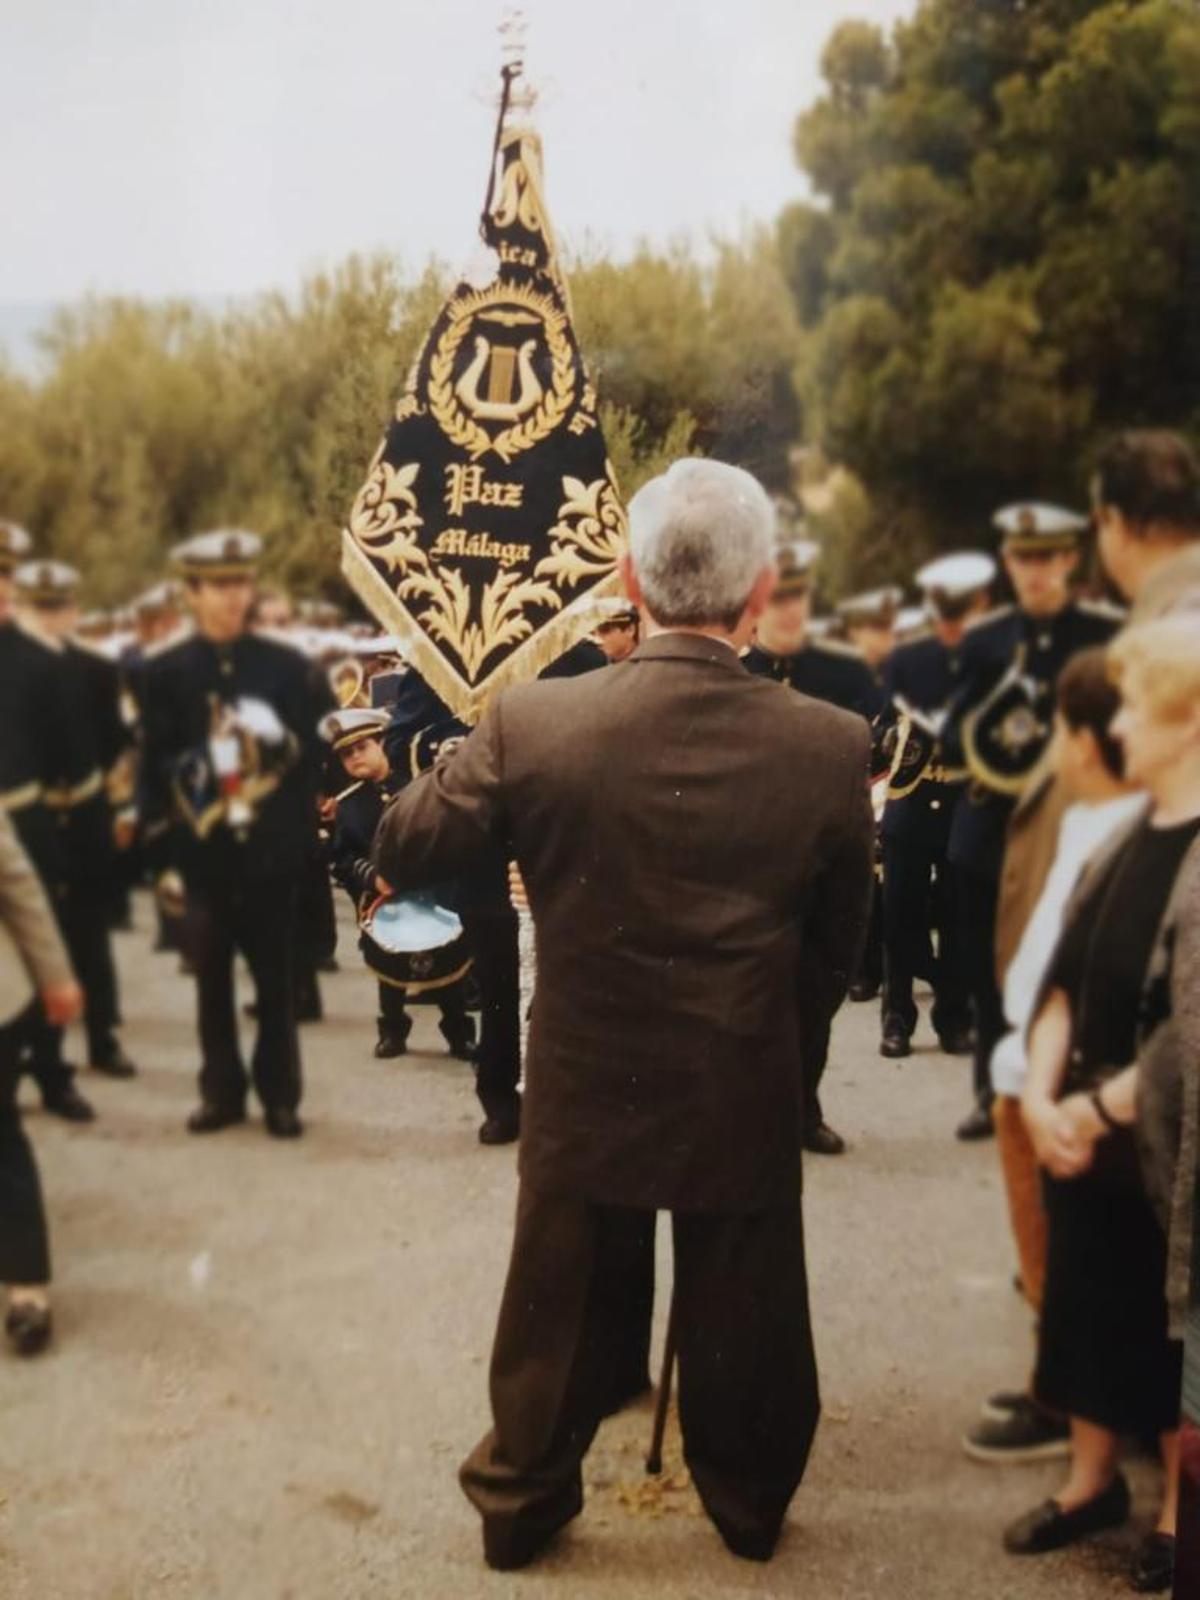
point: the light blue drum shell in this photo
(404, 926)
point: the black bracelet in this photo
(1102, 1111)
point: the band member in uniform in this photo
(785, 651)
(36, 759)
(86, 804)
(870, 622)
(1000, 721)
(232, 761)
(356, 737)
(922, 791)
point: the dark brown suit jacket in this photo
(684, 831)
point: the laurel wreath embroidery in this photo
(459, 427)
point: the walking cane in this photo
(654, 1459)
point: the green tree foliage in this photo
(1002, 260)
(152, 422)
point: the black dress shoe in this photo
(390, 1045)
(977, 1124)
(822, 1141)
(1153, 1570)
(894, 1044)
(208, 1118)
(460, 1041)
(70, 1105)
(28, 1328)
(504, 1129)
(957, 1042)
(282, 1122)
(115, 1063)
(1049, 1527)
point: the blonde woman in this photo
(1111, 1107)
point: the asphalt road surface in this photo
(271, 1357)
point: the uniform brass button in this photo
(935, 805)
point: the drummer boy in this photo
(356, 737)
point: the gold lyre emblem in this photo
(506, 367)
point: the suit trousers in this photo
(257, 919)
(24, 1244)
(748, 1394)
(978, 897)
(491, 932)
(919, 896)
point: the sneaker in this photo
(997, 1406)
(1025, 1434)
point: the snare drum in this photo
(413, 944)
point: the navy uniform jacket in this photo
(93, 687)
(585, 656)
(925, 674)
(358, 812)
(823, 669)
(988, 650)
(39, 754)
(179, 687)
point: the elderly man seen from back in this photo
(684, 831)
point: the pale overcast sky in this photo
(213, 147)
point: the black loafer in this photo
(29, 1328)
(460, 1042)
(282, 1122)
(70, 1106)
(510, 1544)
(1153, 1570)
(500, 1129)
(115, 1064)
(977, 1124)
(895, 1044)
(822, 1141)
(208, 1118)
(1049, 1527)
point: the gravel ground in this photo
(271, 1357)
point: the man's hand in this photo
(62, 1003)
(382, 886)
(516, 887)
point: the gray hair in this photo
(700, 535)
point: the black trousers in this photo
(86, 919)
(748, 1394)
(257, 919)
(978, 899)
(24, 1243)
(919, 896)
(492, 937)
(451, 1002)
